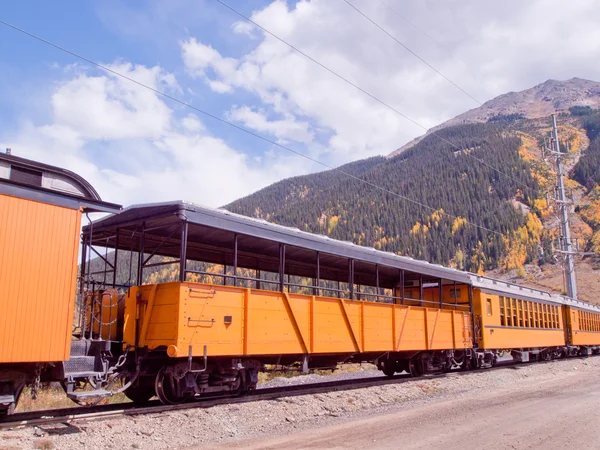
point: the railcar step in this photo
(79, 347)
(85, 395)
(78, 364)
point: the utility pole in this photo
(566, 246)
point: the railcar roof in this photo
(24, 178)
(221, 219)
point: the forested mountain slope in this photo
(454, 187)
(451, 190)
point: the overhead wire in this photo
(364, 91)
(412, 52)
(240, 128)
(421, 30)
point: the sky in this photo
(137, 146)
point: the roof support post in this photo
(141, 257)
(441, 296)
(402, 275)
(455, 297)
(351, 278)
(281, 267)
(183, 251)
(82, 281)
(377, 281)
(258, 274)
(421, 288)
(115, 265)
(235, 258)
(317, 279)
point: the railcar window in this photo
(514, 312)
(587, 321)
(489, 306)
(542, 318)
(520, 306)
(526, 314)
(508, 313)
(502, 317)
(537, 315)
(531, 323)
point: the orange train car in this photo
(246, 293)
(40, 218)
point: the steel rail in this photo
(32, 418)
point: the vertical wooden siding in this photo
(39, 244)
(239, 321)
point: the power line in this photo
(413, 53)
(378, 100)
(245, 130)
(421, 30)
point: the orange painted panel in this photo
(331, 333)
(233, 321)
(378, 324)
(39, 244)
(585, 326)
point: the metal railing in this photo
(318, 290)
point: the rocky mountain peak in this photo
(551, 96)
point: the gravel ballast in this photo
(205, 427)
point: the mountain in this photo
(450, 206)
(542, 100)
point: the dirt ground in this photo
(552, 414)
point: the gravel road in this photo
(546, 405)
(562, 413)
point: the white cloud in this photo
(197, 56)
(284, 129)
(244, 28)
(133, 148)
(102, 107)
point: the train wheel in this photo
(388, 371)
(416, 367)
(168, 388)
(240, 385)
(141, 392)
(7, 410)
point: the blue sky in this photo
(135, 146)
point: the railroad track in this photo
(102, 411)
(43, 417)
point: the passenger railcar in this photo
(180, 301)
(40, 226)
